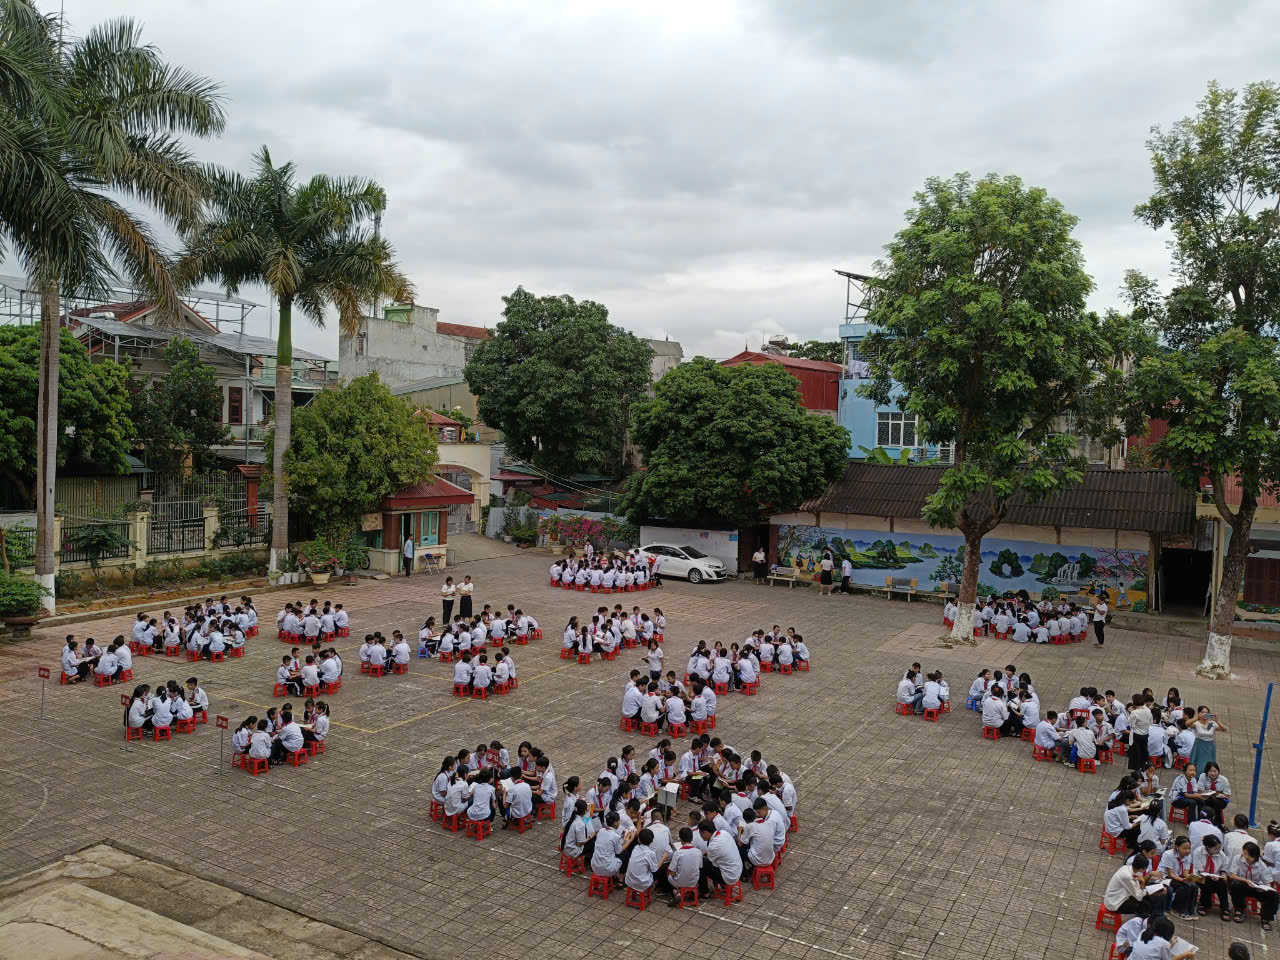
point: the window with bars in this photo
(235, 405)
(896, 429)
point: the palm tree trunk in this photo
(47, 437)
(283, 429)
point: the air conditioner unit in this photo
(102, 315)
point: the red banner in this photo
(44, 673)
(221, 722)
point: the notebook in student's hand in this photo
(1180, 946)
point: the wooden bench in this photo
(788, 576)
(903, 585)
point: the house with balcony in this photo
(244, 365)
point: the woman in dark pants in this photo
(465, 589)
(1100, 621)
(447, 593)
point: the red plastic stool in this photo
(101, 680)
(803, 665)
(237, 652)
(571, 865)
(902, 709)
(795, 824)
(446, 656)
(1109, 843)
(1028, 735)
(785, 669)
(545, 811)
(364, 666)
(749, 689)
(677, 729)
(931, 714)
(437, 811)
(126, 675)
(761, 877)
(132, 733)
(1087, 765)
(1105, 755)
(172, 651)
(731, 893)
(649, 729)
(1178, 815)
(700, 726)
(687, 895)
(627, 724)
(186, 726)
(452, 822)
(1107, 920)
(523, 823)
(479, 693)
(219, 657)
(599, 885)
(298, 757)
(1041, 753)
(459, 689)
(722, 689)
(377, 669)
(565, 653)
(317, 746)
(639, 898)
(162, 733)
(311, 689)
(280, 690)
(478, 829)
(502, 686)
(766, 667)
(331, 687)
(400, 668)
(584, 657)
(990, 733)
(255, 765)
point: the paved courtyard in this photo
(916, 839)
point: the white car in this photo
(685, 561)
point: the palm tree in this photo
(82, 124)
(312, 245)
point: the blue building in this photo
(871, 425)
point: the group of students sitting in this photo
(312, 624)
(320, 668)
(1021, 621)
(1186, 872)
(278, 734)
(621, 826)
(621, 574)
(470, 635)
(113, 665)
(484, 784)
(171, 704)
(610, 630)
(923, 691)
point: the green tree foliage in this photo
(559, 381)
(93, 407)
(979, 310)
(351, 448)
(179, 415)
(831, 351)
(726, 445)
(1217, 191)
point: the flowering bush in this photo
(575, 531)
(316, 556)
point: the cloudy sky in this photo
(700, 166)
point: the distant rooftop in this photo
(426, 383)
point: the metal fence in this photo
(175, 536)
(177, 497)
(242, 528)
(20, 546)
(71, 553)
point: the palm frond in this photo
(141, 256)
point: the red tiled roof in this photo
(440, 420)
(798, 363)
(126, 312)
(463, 330)
(435, 492)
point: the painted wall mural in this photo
(1007, 565)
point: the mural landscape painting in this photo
(1007, 565)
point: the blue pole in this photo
(1257, 759)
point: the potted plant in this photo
(355, 555)
(316, 557)
(20, 602)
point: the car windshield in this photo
(694, 553)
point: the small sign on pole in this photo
(43, 674)
(221, 723)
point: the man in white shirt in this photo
(400, 652)
(756, 840)
(684, 871)
(651, 707)
(519, 799)
(723, 861)
(632, 700)
(1128, 892)
(407, 555)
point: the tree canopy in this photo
(726, 445)
(1217, 189)
(93, 407)
(179, 415)
(352, 447)
(831, 351)
(559, 381)
(980, 322)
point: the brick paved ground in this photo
(916, 839)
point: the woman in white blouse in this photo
(447, 593)
(465, 589)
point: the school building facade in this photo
(1126, 529)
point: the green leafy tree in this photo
(85, 126)
(831, 351)
(1217, 192)
(559, 381)
(179, 415)
(352, 447)
(728, 445)
(93, 408)
(315, 247)
(980, 322)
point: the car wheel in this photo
(695, 575)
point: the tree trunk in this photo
(962, 629)
(283, 429)
(1216, 664)
(47, 437)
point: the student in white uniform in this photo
(643, 866)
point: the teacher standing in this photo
(1100, 620)
(447, 593)
(465, 589)
(758, 567)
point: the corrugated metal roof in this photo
(426, 383)
(1148, 500)
(236, 343)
